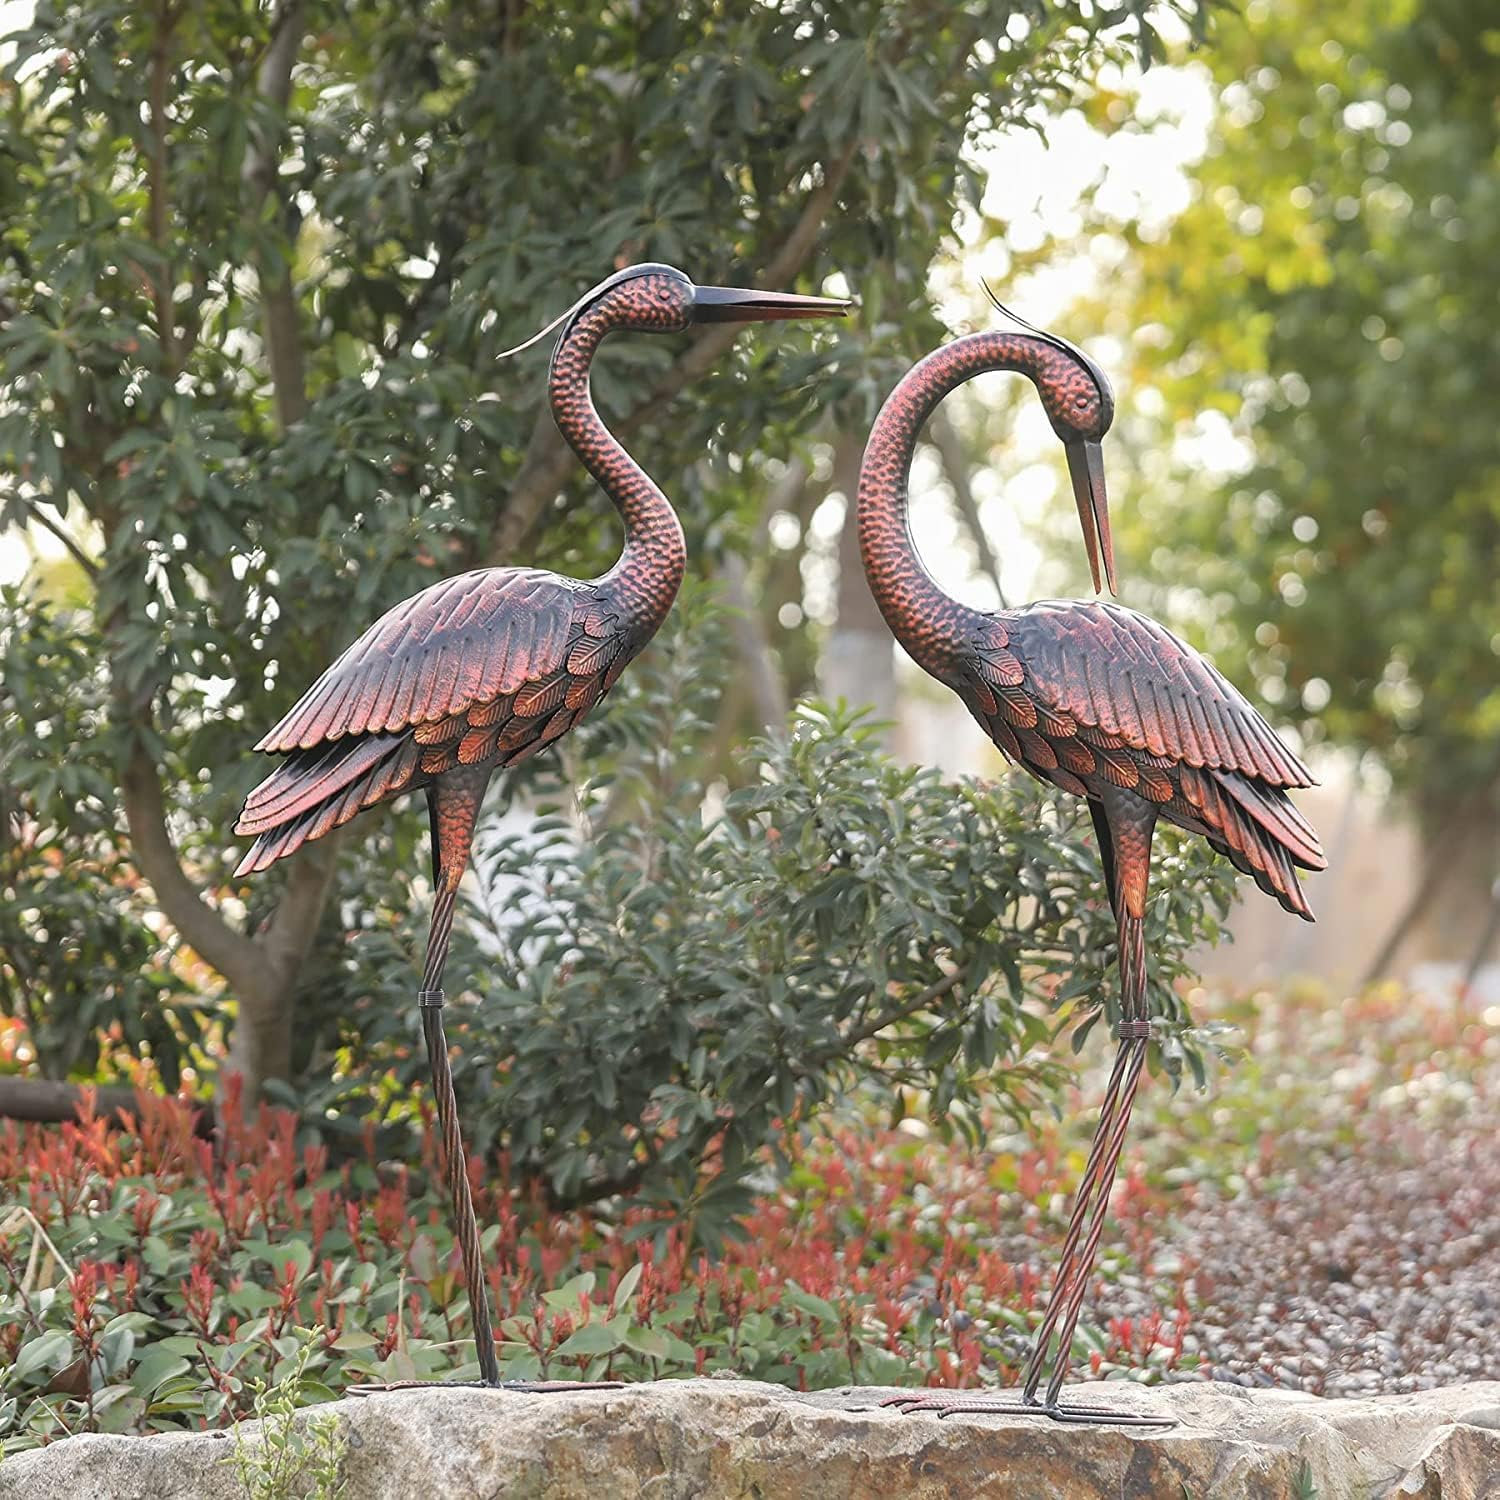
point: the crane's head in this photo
(1080, 406)
(652, 298)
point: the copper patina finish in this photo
(1099, 701)
(483, 670)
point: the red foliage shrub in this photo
(192, 1264)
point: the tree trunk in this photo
(260, 1046)
(757, 658)
(1461, 845)
(858, 663)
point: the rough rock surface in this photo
(691, 1440)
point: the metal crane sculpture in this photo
(1104, 703)
(481, 671)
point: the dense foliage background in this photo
(752, 1011)
(254, 268)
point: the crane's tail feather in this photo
(1277, 814)
(1270, 867)
(314, 791)
(307, 776)
(1254, 826)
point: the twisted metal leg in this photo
(1129, 850)
(1075, 1288)
(466, 1230)
(430, 1001)
(1087, 1192)
(455, 1169)
(1072, 1279)
(461, 1201)
(454, 803)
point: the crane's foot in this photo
(520, 1387)
(1078, 1413)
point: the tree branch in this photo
(934, 991)
(233, 954)
(1435, 873)
(309, 881)
(76, 552)
(41, 1099)
(283, 334)
(747, 629)
(539, 480)
(753, 647)
(544, 468)
(592, 1190)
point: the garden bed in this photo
(1322, 1218)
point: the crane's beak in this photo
(732, 304)
(1086, 465)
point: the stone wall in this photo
(704, 1439)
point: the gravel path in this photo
(1376, 1273)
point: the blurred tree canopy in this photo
(1333, 286)
(255, 263)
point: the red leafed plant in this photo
(153, 1279)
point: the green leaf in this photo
(592, 1338)
(569, 1296)
(47, 1352)
(624, 1295)
(296, 1252)
(648, 1341)
(810, 1303)
(154, 1368)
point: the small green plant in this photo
(1306, 1489)
(289, 1458)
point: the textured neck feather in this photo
(929, 623)
(655, 556)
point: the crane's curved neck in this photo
(929, 623)
(650, 568)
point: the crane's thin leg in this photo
(1072, 1281)
(453, 803)
(1093, 1188)
(455, 1161)
(1125, 824)
(453, 806)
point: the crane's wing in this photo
(1088, 695)
(490, 666)
(1118, 671)
(461, 642)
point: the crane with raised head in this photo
(481, 671)
(1100, 702)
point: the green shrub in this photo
(655, 989)
(285, 1459)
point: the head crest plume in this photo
(1057, 342)
(999, 306)
(644, 269)
(1041, 333)
(541, 333)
